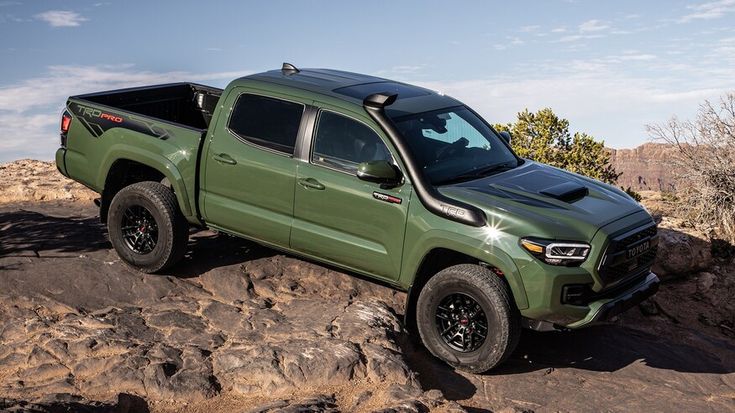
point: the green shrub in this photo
(544, 137)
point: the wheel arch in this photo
(126, 169)
(439, 258)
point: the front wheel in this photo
(466, 316)
(146, 227)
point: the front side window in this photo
(344, 143)
(267, 122)
(453, 145)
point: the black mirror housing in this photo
(506, 136)
(380, 172)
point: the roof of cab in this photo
(355, 87)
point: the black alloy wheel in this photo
(466, 316)
(139, 229)
(146, 226)
(461, 323)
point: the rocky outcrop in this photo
(75, 321)
(647, 167)
(238, 328)
(681, 253)
(30, 180)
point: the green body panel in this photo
(88, 158)
(255, 196)
(426, 232)
(345, 224)
(262, 196)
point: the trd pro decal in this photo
(98, 122)
(387, 198)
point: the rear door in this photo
(340, 217)
(250, 170)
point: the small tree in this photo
(706, 163)
(544, 137)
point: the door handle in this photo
(310, 183)
(224, 158)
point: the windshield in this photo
(453, 145)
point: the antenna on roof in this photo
(289, 69)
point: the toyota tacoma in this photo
(381, 178)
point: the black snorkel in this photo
(432, 199)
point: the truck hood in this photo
(545, 201)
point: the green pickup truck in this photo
(392, 181)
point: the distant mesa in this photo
(649, 167)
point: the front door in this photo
(250, 170)
(339, 217)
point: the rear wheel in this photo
(146, 227)
(466, 316)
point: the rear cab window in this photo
(266, 122)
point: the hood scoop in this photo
(566, 191)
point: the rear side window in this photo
(267, 122)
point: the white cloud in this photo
(62, 81)
(30, 110)
(575, 37)
(529, 28)
(593, 26)
(593, 95)
(61, 18)
(28, 134)
(510, 41)
(709, 10)
(591, 29)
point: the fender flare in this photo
(157, 162)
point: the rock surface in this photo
(236, 320)
(237, 328)
(30, 180)
(681, 253)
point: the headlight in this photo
(556, 253)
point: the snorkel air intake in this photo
(428, 195)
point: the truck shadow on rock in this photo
(604, 348)
(65, 403)
(33, 234)
(208, 250)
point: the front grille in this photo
(639, 235)
(616, 265)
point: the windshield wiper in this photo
(477, 173)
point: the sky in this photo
(609, 67)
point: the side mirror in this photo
(380, 172)
(506, 136)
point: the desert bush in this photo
(705, 164)
(669, 196)
(632, 193)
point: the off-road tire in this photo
(172, 227)
(495, 299)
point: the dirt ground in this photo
(676, 354)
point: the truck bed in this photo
(186, 104)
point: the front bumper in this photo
(605, 309)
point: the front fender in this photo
(478, 243)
